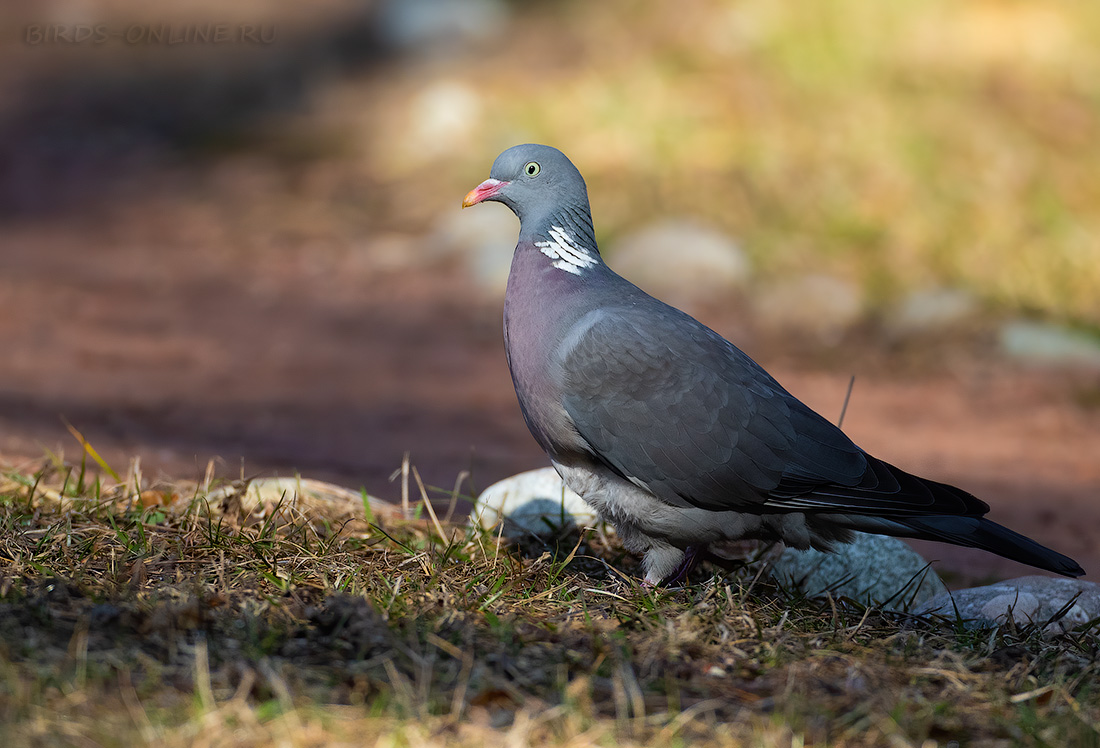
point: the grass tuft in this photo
(193, 620)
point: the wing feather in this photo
(664, 400)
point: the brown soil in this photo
(334, 364)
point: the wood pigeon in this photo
(674, 435)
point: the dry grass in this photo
(166, 617)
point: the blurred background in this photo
(232, 231)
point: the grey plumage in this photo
(672, 433)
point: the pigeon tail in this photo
(976, 532)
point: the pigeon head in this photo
(542, 187)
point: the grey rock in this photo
(873, 569)
(536, 502)
(819, 305)
(931, 311)
(1026, 600)
(432, 26)
(682, 260)
(1042, 343)
(260, 497)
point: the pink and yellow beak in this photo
(483, 191)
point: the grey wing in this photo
(667, 402)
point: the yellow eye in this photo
(532, 168)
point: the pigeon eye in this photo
(532, 168)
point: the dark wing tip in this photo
(976, 532)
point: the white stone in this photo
(930, 311)
(444, 115)
(536, 502)
(681, 261)
(1055, 345)
(818, 305)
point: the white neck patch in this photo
(565, 252)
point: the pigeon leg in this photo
(692, 556)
